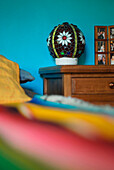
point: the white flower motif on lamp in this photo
(64, 38)
(81, 38)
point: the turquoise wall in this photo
(26, 24)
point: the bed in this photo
(51, 132)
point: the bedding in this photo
(51, 132)
(25, 76)
(10, 89)
(29, 92)
(42, 134)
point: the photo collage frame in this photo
(111, 44)
(104, 45)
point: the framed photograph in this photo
(101, 59)
(100, 32)
(111, 58)
(111, 32)
(101, 46)
(112, 46)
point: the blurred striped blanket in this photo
(35, 136)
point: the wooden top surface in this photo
(77, 69)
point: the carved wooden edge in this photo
(52, 69)
(76, 69)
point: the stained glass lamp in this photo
(66, 43)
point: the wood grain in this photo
(90, 83)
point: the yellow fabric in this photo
(79, 121)
(10, 89)
(86, 124)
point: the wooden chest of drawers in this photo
(90, 83)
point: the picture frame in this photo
(100, 32)
(111, 32)
(112, 59)
(100, 35)
(101, 46)
(101, 59)
(111, 44)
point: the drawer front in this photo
(92, 86)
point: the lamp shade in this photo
(66, 40)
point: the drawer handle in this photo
(111, 84)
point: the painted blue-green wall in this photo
(26, 24)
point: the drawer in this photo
(92, 86)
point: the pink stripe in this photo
(55, 145)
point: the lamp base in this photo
(66, 61)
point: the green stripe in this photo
(75, 37)
(11, 159)
(53, 42)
